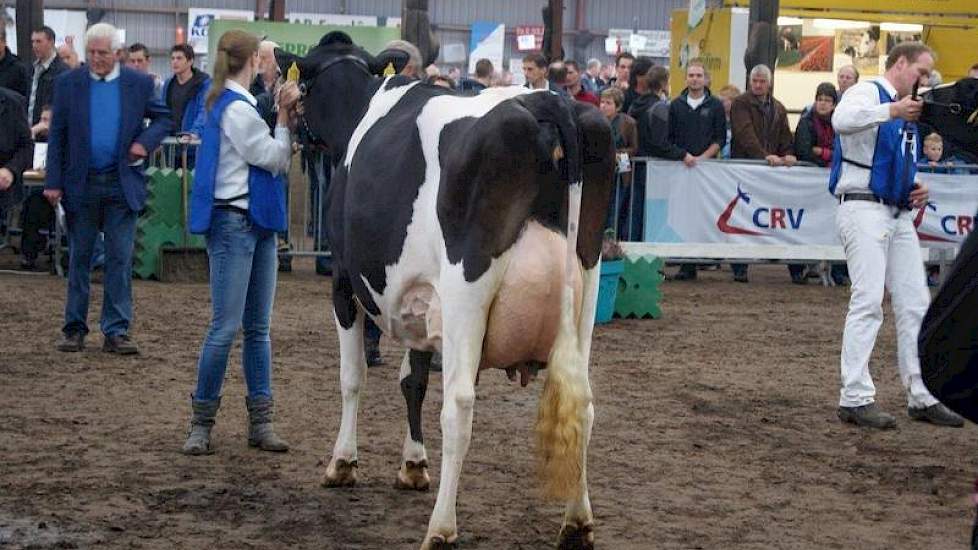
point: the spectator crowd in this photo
(700, 123)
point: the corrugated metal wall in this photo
(451, 18)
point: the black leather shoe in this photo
(72, 342)
(869, 416)
(120, 344)
(936, 414)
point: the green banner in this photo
(299, 39)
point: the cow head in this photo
(952, 110)
(334, 79)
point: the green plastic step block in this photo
(163, 201)
(639, 288)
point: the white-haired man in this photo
(95, 168)
(873, 179)
(403, 57)
(759, 130)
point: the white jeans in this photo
(881, 251)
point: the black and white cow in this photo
(454, 226)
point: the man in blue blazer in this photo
(97, 148)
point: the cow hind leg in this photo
(577, 531)
(342, 468)
(413, 474)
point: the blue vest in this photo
(894, 164)
(266, 191)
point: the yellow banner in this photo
(709, 41)
(935, 7)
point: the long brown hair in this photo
(234, 51)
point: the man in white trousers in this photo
(872, 177)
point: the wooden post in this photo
(278, 10)
(762, 42)
(557, 26)
(30, 15)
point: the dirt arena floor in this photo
(715, 429)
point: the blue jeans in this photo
(243, 266)
(103, 207)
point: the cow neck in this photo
(344, 113)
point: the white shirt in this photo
(695, 103)
(109, 77)
(245, 140)
(39, 67)
(856, 119)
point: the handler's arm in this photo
(860, 110)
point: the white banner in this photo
(332, 19)
(650, 43)
(730, 202)
(199, 20)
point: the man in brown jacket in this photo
(759, 130)
(760, 123)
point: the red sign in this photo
(523, 38)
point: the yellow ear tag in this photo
(389, 69)
(292, 75)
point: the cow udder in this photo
(524, 317)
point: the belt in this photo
(231, 208)
(845, 197)
(103, 177)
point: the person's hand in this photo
(186, 138)
(919, 195)
(774, 160)
(689, 160)
(70, 41)
(790, 160)
(6, 179)
(39, 129)
(817, 151)
(53, 196)
(907, 108)
(137, 152)
(288, 96)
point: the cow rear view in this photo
(470, 225)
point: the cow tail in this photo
(566, 393)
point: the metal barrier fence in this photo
(306, 234)
(629, 232)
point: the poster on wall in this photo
(62, 22)
(789, 46)
(487, 42)
(895, 38)
(802, 49)
(861, 46)
(199, 21)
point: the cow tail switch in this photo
(565, 399)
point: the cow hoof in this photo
(439, 542)
(576, 537)
(340, 473)
(413, 476)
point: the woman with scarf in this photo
(814, 137)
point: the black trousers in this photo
(37, 214)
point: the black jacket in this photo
(45, 86)
(16, 151)
(806, 139)
(652, 116)
(13, 74)
(694, 130)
